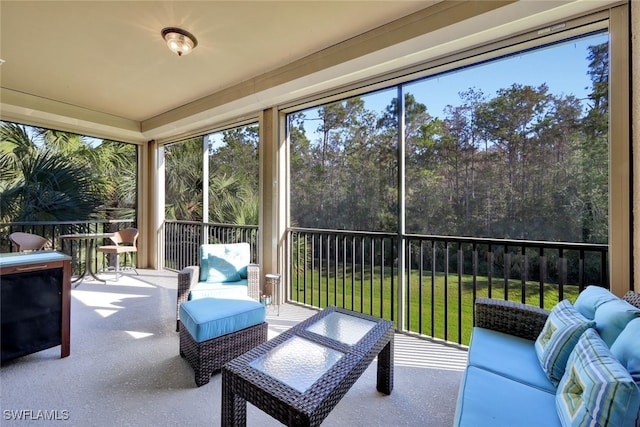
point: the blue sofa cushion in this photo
(596, 390)
(229, 259)
(507, 355)
(488, 399)
(208, 318)
(612, 317)
(561, 332)
(626, 349)
(591, 298)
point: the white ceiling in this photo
(102, 68)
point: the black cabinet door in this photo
(31, 312)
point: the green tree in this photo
(593, 162)
(234, 177)
(43, 185)
(183, 180)
(105, 172)
(116, 164)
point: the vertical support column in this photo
(144, 209)
(635, 139)
(620, 220)
(204, 238)
(150, 206)
(271, 150)
(401, 303)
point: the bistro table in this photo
(90, 240)
(299, 376)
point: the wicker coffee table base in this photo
(242, 382)
(209, 356)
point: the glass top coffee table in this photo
(301, 375)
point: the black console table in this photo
(35, 298)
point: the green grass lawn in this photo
(442, 311)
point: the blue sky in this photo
(562, 67)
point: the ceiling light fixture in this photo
(179, 41)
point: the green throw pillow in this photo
(558, 337)
(596, 390)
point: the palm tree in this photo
(117, 164)
(183, 180)
(48, 187)
(39, 182)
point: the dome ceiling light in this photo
(179, 41)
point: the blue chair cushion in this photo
(561, 332)
(215, 289)
(209, 318)
(596, 390)
(591, 298)
(224, 262)
(505, 355)
(612, 317)
(221, 270)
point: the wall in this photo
(635, 136)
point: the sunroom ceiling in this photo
(101, 67)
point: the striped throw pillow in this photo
(560, 334)
(596, 390)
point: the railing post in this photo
(402, 266)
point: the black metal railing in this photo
(442, 278)
(432, 295)
(183, 240)
(52, 230)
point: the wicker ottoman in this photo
(215, 330)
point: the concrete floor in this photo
(125, 370)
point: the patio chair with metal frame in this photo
(124, 243)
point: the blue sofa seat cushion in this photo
(209, 318)
(488, 399)
(507, 355)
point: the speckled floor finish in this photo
(125, 370)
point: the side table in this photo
(272, 290)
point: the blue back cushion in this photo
(626, 348)
(224, 262)
(591, 298)
(612, 317)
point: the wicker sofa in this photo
(505, 383)
(232, 274)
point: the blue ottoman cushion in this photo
(209, 318)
